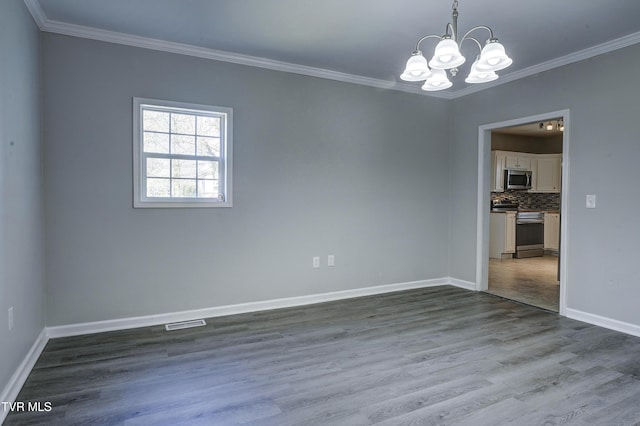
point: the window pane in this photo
(208, 189)
(183, 123)
(208, 147)
(156, 142)
(207, 170)
(183, 188)
(183, 145)
(209, 126)
(158, 187)
(155, 121)
(158, 167)
(180, 151)
(183, 168)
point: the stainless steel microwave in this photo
(517, 179)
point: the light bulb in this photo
(493, 57)
(446, 55)
(437, 81)
(417, 68)
(478, 76)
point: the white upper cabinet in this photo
(547, 173)
(546, 169)
(498, 159)
(517, 160)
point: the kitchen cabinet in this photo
(547, 173)
(518, 160)
(502, 235)
(510, 232)
(546, 169)
(498, 159)
(552, 231)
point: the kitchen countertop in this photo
(525, 210)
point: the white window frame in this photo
(140, 200)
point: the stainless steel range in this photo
(504, 205)
(529, 234)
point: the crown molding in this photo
(63, 28)
(571, 58)
(218, 55)
(36, 12)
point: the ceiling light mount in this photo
(447, 56)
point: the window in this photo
(181, 154)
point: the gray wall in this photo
(21, 233)
(382, 180)
(603, 249)
(320, 167)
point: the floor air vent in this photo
(184, 324)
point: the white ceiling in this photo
(362, 41)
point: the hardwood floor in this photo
(530, 280)
(440, 355)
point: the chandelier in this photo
(447, 56)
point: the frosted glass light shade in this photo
(416, 69)
(480, 76)
(447, 55)
(438, 81)
(493, 57)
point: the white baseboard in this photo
(18, 379)
(150, 320)
(467, 285)
(605, 322)
(12, 389)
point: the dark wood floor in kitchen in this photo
(440, 355)
(530, 280)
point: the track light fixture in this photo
(553, 124)
(447, 56)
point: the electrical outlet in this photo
(331, 260)
(10, 318)
(591, 201)
(316, 261)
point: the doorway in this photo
(535, 273)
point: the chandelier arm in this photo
(426, 37)
(479, 27)
(474, 39)
(450, 27)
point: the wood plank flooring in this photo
(433, 356)
(530, 280)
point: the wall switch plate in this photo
(316, 261)
(591, 201)
(10, 318)
(331, 260)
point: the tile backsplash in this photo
(530, 200)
